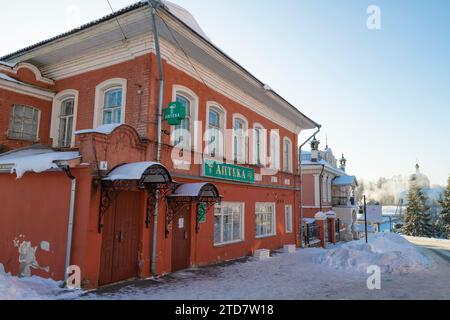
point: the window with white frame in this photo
(66, 119)
(287, 155)
(182, 132)
(240, 140)
(228, 223)
(112, 108)
(215, 134)
(274, 150)
(24, 123)
(265, 219)
(110, 102)
(259, 145)
(288, 218)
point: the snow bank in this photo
(391, 252)
(34, 288)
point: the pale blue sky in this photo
(383, 97)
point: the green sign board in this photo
(175, 113)
(224, 171)
(202, 212)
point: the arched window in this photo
(110, 102)
(287, 155)
(240, 149)
(184, 135)
(215, 130)
(259, 145)
(274, 150)
(64, 118)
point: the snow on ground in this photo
(34, 288)
(391, 252)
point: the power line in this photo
(117, 19)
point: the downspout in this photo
(301, 181)
(321, 186)
(71, 219)
(154, 5)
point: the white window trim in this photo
(194, 100)
(263, 150)
(292, 219)
(276, 165)
(238, 116)
(242, 204)
(274, 231)
(100, 91)
(223, 125)
(38, 127)
(289, 168)
(56, 112)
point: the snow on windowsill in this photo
(105, 129)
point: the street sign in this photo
(224, 171)
(175, 113)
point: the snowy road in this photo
(296, 276)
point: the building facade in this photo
(328, 189)
(109, 190)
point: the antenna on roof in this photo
(117, 19)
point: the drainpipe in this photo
(71, 218)
(154, 4)
(301, 181)
(321, 186)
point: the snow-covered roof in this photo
(136, 171)
(34, 160)
(309, 220)
(195, 190)
(345, 181)
(11, 65)
(186, 17)
(8, 78)
(104, 129)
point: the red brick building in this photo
(99, 190)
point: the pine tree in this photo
(417, 218)
(444, 214)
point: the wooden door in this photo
(120, 248)
(181, 240)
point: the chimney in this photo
(315, 150)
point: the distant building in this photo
(328, 188)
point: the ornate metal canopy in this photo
(185, 195)
(148, 176)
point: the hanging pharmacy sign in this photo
(175, 113)
(224, 171)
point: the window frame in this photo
(259, 158)
(67, 118)
(56, 112)
(275, 150)
(212, 106)
(291, 219)
(243, 159)
(288, 165)
(242, 222)
(274, 220)
(100, 99)
(12, 120)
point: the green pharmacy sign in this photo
(175, 113)
(202, 212)
(224, 171)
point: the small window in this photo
(66, 123)
(228, 223)
(287, 156)
(288, 217)
(112, 110)
(24, 123)
(265, 220)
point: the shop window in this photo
(24, 123)
(265, 220)
(228, 223)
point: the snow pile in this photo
(391, 252)
(35, 160)
(34, 288)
